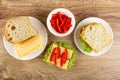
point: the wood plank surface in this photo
(105, 67)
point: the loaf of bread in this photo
(18, 29)
(96, 36)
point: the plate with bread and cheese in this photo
(93, 36)
(25, 37)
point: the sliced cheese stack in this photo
(29, 46)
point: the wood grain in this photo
(105, 67)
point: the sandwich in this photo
(94, 37)
(60, 54)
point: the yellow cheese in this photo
(29, 46)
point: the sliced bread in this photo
(18, 29)
(96, 36)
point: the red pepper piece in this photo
(58, 27)
(66, 53)
(55, 60)
(67, 26)
(52, 20)
(65, 29)
(58, 52)
(63, 59)
(60, 16)
(53, 54)
(68, 21)
(63, 22)
(53, 25)
(54, 16)
(65, 56)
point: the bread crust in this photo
(5, 31)
(83, 31)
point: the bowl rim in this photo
(63, 10)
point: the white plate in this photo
(87, 21)
(39, 29)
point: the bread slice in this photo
(96, 36)
(18, 29)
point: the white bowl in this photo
(63, 11)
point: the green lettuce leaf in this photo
(86, 47)
(70, 64)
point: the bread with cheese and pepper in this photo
(60, 54)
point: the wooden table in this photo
(105, 67)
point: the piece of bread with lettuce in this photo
(94, 37)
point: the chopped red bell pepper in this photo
(60, 22)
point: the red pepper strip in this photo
(54, 16)
(53, 54)
(65, 56)
(58, 52)
(60, 16)
(55, 60)
(53, 25)
(52, 20)
(58, 27)
(69, 22)
(66, 53)
(68, 26)
(63, 22)
(63, 59)
(63, 16)
(65, 29)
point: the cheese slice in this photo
(29, 46)
(58, 60)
